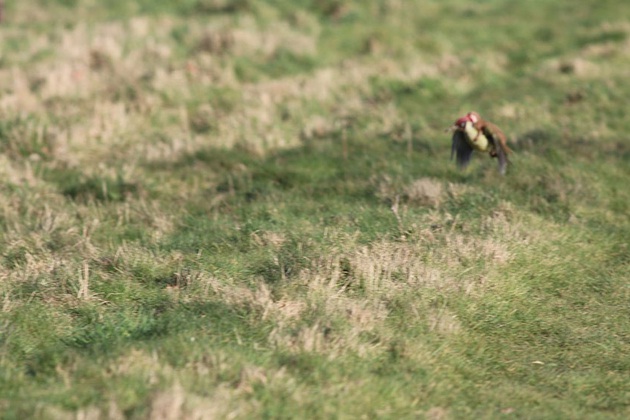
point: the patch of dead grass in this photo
(443, 321)
(93, 70)
(425, 191)
(176, 403)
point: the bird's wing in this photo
(496, 136)
(461, 149)
(503, 158)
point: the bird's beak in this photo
(451, 129)
(459, 124)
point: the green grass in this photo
(246, 209)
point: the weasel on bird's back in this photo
(471, 133)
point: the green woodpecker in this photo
(471, 132)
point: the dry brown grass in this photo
(425, 191)
(92, 65)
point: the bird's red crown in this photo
(461, 123)
(472, 117)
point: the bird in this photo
(471, 132)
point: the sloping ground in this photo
(241, 209)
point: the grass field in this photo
(246, 209)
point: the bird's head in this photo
(460, 124)
(471, 117)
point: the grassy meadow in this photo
(246, 209)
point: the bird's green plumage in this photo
(477, 139)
